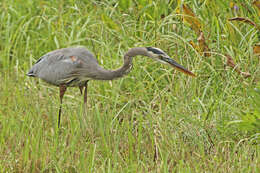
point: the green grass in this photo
(154, 119)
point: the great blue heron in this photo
(75, 66)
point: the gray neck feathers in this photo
(104, 74)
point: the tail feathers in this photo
(31, 74)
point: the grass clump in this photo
(153, 120)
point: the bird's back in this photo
(63, 66)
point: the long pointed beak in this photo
(178, 66)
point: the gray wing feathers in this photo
(63, 65)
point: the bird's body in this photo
(75, 66)
(62, 67)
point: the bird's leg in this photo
(86, 94)
(85, 97)
(81, 89)
(63, 89)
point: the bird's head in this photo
(160, 56)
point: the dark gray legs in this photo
(63, 89)
(62, 92)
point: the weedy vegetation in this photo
(153, 120)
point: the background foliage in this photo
(153, 120)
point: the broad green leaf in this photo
(125, 4)
(109, 22)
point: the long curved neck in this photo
(104, 74)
